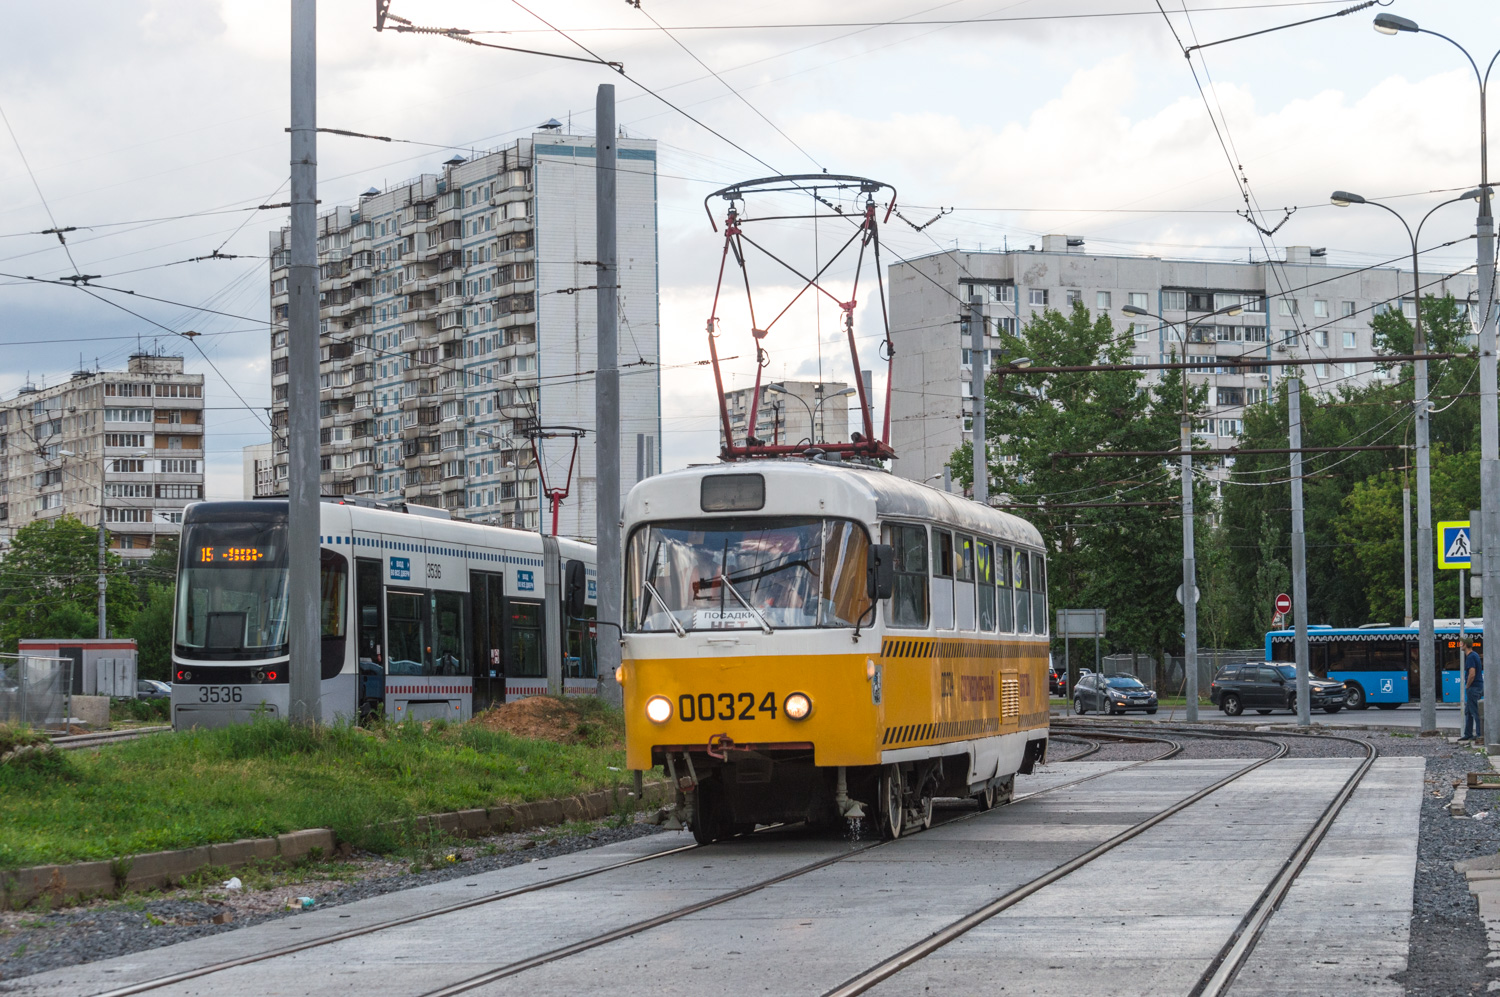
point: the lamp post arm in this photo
(1478, 76)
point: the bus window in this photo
(526, 641)
(1038, 594)
(1023, 592)
(448, 626)
(942, 579)
(907, 606)
(1387, 656)
(1283, 651)
(1005, 589)
(1346, 656)
(984, 575)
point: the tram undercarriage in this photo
(731, 792)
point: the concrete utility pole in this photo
(976, 361)
(607, 400)
(305, 669)
(1189, 571)
(1489, 453)
(1426, 641)
(103, 547)
(1299, 548)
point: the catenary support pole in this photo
(1489, 450)
(1299, 551)
(976, 359)
(1426, 646)
(1406, 547)
(304, 669)
(607, 399)
(1189, 574)
(102, 583)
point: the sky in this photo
(156, 128)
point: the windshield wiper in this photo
(724, 580)
(670, 617)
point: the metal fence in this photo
(35, 690)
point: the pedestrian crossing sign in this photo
(1454, 547)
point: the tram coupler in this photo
(848, 808)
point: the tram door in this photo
(487, 596)
(370, 602)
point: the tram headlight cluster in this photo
(797, 706)
(658, 709)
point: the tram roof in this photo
(799, 486)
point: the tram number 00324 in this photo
(725, 706)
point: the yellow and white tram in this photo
(423, 616)
(806, 639)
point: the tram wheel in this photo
(986, 797)
(892, 804)
(924, 808)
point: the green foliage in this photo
(47, 580)
(152, 630)
(1352, 500)
(1124, 558)
(140, 710)
(176, 790)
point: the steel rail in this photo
(920, 950)
(93, 739)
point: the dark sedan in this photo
(1112, 694)
(152, 689)
(1263, 687)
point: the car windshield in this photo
(1287, 671)
(1124, 682)
(735, 574)
(231, 596)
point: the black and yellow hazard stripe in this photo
(907, 734)
(941, 647)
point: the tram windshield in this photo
(738, 574)
(231, 591)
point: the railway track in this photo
(1215, 980)
(93, 739)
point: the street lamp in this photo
(1489, 416)
(1425, 648)
(1189, 567)
(818, 405)
(780, 389)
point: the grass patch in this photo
(140, 710)
(177, 790)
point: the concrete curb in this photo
(153, 870)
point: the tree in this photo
(51, 567)
(152, 630)
(1125, 558)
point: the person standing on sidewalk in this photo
(1473, 694)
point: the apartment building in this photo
(258, 471)
(1298, 307)
(125, 443)
(791, 412)
(458, 318)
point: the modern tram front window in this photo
(747, 573)
(231, 593)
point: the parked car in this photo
(1264, 686)
(1112, 694)
(1057, 681)
(152, 689)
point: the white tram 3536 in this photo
(423, 616)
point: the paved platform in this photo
(1449, 718)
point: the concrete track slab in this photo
(1343, 928)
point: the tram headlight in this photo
(658, 709)
(797, 706)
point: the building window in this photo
(1350, 369)
(127, 466)
(1289, 337)
(1037, 296)
(1320, 369)
(1348, 309)
(1139, 299)
(1320, 308)
(1101, 300)
(1287, 306)
(177, 466)
(1174, 301)
(179, 491)
(1231, 427)
(1074, 297)
(1349, 342)
(1320, 338)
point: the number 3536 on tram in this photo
(809, 641)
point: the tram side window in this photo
(367, 583)
(964, 596)
(1005, 589)
(1038, 594)
(908, 604)
(410, 652)
(333, 592)
(846, 551)
(526, 641)
(984, 574)
(448, 619)
(1022, 584)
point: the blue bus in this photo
(1376, 662)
